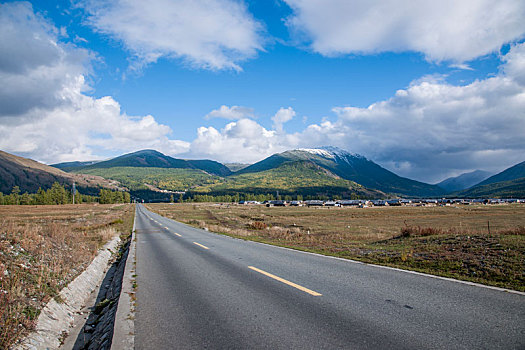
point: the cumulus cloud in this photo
(241, 141)
(213, 34)
(432, 128)
(231, 113)
(33, 68)
(442, 30)
(282, 116)
(44, 112)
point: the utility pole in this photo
(74, 191)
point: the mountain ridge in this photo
(149, 158)
(507, 183)
(350, 166)
(464, 181)
(514, 172)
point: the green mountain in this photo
(290, 178)
(463, 181)
(155, 159)
(210, 166)
(155, 179)
(351, 167)
(503, 189)
(514, 172)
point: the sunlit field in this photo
(42, 249)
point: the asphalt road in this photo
(199, 290)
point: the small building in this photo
(349, 202)
(276, 203)
(314, 203)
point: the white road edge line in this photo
(398, 269)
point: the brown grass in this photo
(484, 244)
(42, 249)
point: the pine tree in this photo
(15, 195)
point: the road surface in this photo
(199, 290)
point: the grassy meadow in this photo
(484, 244)
(42, 249)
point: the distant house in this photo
(349, 202)
(277, 203)
(249, 202)
(314, 203)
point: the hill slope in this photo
(291, 178)
(29, 175)
(463, 181)
(351, 167)
(514, 172)
(510, 183)
(503, 189)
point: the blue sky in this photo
(427, 91)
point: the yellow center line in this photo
(175, 233)
(304, 289)
(200, 245)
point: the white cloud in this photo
(231, 113)
(282, 116)
(442, 30)
(44, 112)
(33, 67)
(214, 34)
(240, 141)
(432, 127)
(515, 63)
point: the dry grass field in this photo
(484, 244)
(42, 249)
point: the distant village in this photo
(364, 203)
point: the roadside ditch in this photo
(97, 331)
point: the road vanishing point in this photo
(200, 290)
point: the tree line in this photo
(58, 194)
(253, 197)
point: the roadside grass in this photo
(42, 249)
(483, 244)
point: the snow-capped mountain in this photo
(349, 166)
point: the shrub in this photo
(257, 225)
